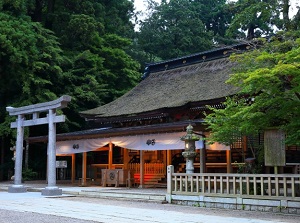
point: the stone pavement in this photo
(145, 194)
(106, 212)
(34, 202)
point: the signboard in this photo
(274, 147)
(61, 164)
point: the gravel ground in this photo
(29, 217)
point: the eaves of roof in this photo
(112, 132)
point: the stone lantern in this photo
(189, 153)
(13, 158)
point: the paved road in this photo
(36, 208)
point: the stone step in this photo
(149, 179)
(118, 195)
(160, 198)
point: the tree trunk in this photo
(37, 13)
(250, 33)
(296, 21)
(285, 12)
(50, 11)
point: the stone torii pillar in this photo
(51, 120)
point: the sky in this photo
(141, 5)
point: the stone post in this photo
(51, 189)
(18, 187)
(189, 153)
(170, 171)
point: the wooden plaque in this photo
(274, 147)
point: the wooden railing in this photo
(248, 185)
(149, 168)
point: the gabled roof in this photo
(175, 83)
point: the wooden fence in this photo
(149, 168)
(261, 186)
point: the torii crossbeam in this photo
(51, 120)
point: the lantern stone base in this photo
(17, 189)
(51, 191)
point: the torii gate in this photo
(51, 120)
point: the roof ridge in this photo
(205, 56)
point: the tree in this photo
(93, 37)
(268, 79)
(216, 15)
(30, 59)
(98, 29)
(252, 18)
(174, 29)
(50, 48)
(30, 70)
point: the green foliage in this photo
(81, 53)
(174, 29)
(29, 174)
(99, 69)
(268, 81)
(30, 65)
(254, 18)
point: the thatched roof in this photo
(203, 80)
(172, 88)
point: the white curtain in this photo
(217, 146)
(166, 141)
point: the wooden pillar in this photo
(244, 147)
(73, 169)
(169, 157)
(202, 161)
(83, 180)
(110, 156)
(156, 154)
(125, 158)
(142, 165)
(228, 160)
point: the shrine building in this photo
(139, 133)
